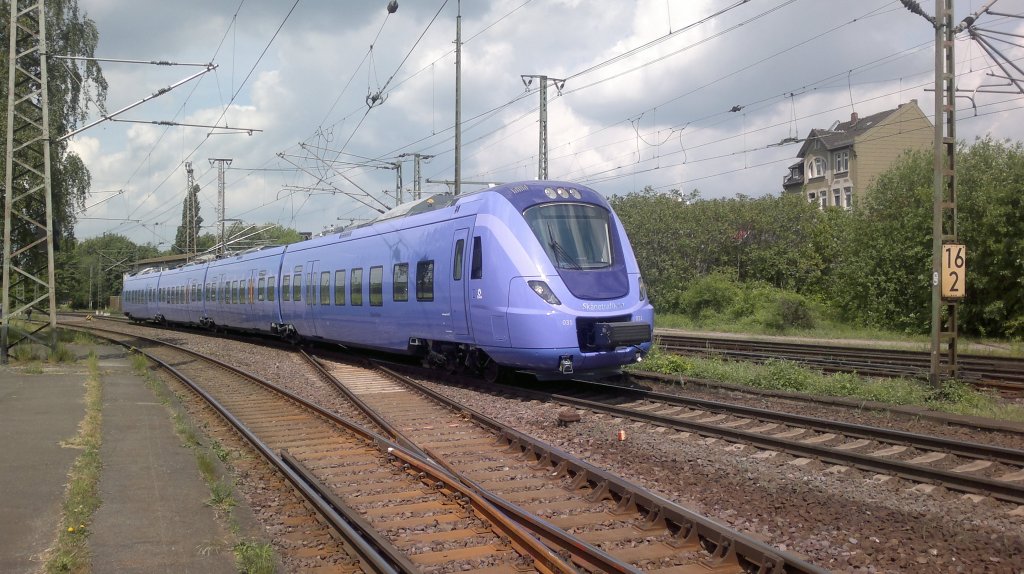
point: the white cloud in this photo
(666, 124)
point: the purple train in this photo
(533, 276)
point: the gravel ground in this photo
(844, 520)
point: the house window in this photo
(841, 162)
(835, 197)
(824, 200)
(815, 168)
(848, 197)
(812, 197)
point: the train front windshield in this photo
(574, 235)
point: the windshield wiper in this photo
(556, 247)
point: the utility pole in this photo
(220, 162)
(27, 181)
(398, 183)
(458, 101)
(542, 152)
(948, 256)
(417, 178)
(190, 218)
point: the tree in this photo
(188, 232)
(75, 87)
(92, 271)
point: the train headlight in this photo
(643, 289)
(544, 292)
(549, 192)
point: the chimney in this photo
(853, 118)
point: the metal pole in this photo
(542, 153)
(944, 190)
(458, 101)
(221, 162)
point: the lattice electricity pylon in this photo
(28, 267)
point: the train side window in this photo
(297, 287)
(376, 286)
(401, 282)
(261, 288)
(286, 288)
(477, 270)
(425, 281)
(234, 292)
(356, 287)
(325, 287)
(460, 246)
(339, 287)
(270, 287)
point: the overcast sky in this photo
(648, 90)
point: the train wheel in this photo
(492, 372)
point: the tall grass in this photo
(776, 374)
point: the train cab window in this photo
(356, 287)
(339, 287)
(286, 288)
(477, 269)
(376, 286)
(460, 247)
(325, 288)
(297, 287)
(425, 281)
(270, 288)
(261, 289)
(574, 236)
(400, 276)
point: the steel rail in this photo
(591, 555)
(544, 559)
(717, 539)
(371, 547)
(997, 489)
(960, 448)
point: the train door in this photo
(193, 305)
(455, 319)
(307, 309)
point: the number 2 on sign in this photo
(954, 270)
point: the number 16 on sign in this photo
(954, 271)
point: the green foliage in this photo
(254, 557)
(73, 89)
(188, 232)
(717, 300)
(782, 375)
(61, 354)
(91, 271)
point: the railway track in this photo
(584, 515)
(929, 461)
(1004, 374)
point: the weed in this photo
(222, 495)
(254, 557)
(81, 498)
(61, 354)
